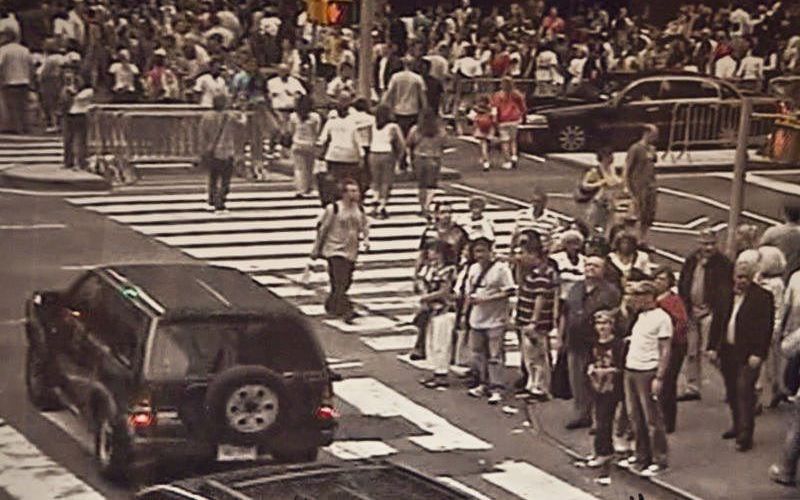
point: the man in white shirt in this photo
(283, 91)
(211, 84)
(645, 368)
(16, 70)
(406, 95)
(342, 83)
(125, 74)
(725, 67)
(468, 66)
(538, 218)
(440, 67)
(489, 286)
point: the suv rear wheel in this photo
(38, 381)
(111, 447)
(246, 405)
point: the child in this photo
(438, 279)
(605, 375)
(484, 127)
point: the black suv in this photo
(172, 360)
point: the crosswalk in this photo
(269, 235)
(16, 150)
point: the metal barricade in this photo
(713, 123)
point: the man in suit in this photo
(740, 339)
(699, 288)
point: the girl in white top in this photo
(304, 125)
(385, 148)
(751, 68)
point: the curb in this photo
(11, 179)
(752, 166)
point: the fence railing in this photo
(714, 123)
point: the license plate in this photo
(231, 453)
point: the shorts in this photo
(427, 172)
(406, 122)
(646, 204)
(508, 131)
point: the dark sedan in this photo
(617, 121)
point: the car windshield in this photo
(198, 349)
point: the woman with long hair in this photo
(426, 143)
(304, 125)
(385, 149)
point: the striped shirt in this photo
(569, 272)
(541, 281)
(546, 224)
(436, 278)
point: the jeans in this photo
(487, 356)
(340, 272)
(75, 137)
(15, 98)
(578, 362)
(219, 181)
(303, 164)
(698, 338)
(669, 392)
(791, 447)
(740, 388)
(536, 359)
(646, 418)
(605, 406)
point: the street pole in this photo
(739, 173)
(365, 61)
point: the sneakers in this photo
(653, 470)
(637, 468)
(778, 475)
(477, 391)
(487, 166)
(495, 398)
(603, 480)
(514, 161)
(507, 165)
(597, 462)
(627, 463)
(435, 382)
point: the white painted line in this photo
(359, 450)
(530, 483)
(677, 225)
(390, 342)
(12, 322)
(51, 194)
(312, 309)
(717, 204)
(27, 473)
(456, 485)
(22, 227)
(79, 267)
(348, 365)
(533, 157)
(362, 325)
(373, 398)
(771, 184)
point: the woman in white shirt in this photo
(304, 126)
(125, 75)
(385, 148)
(751, 69)
(340, 140)
(626, 256)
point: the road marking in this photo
(763, 182)
(359, 450)
(390, 342)
(27, 473)
(717, 204)
(60, 194)
(346, 365)
(697, 175)
(533, 157)
(15, 227)
(363, 324)
(373, 398)
(12, 322)
(457, 485)
(530, 483)
(692, 224)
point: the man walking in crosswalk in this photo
(342, 226)
(217, 129)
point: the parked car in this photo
(617, 121)
(183, 361)
(363, 481)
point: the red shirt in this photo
(554, 24)
(500, 64)
(510, 106)
(672, 304)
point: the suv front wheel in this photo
(38, 381)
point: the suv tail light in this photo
(141, 415)
(326, 413)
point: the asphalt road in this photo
(46, 241)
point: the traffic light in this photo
(330, 12)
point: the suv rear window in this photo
(199, 348)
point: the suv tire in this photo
(111, 447)
(39, 381)
(246, 405)
(295, 456)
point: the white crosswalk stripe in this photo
(30, 150)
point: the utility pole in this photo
(365, 62)
(739, 173)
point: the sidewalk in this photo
(702, 465)
(691, 161)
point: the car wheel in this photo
(246, 405)
(572, 138)
(38, 381)
(111, 447)
(296, 456)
